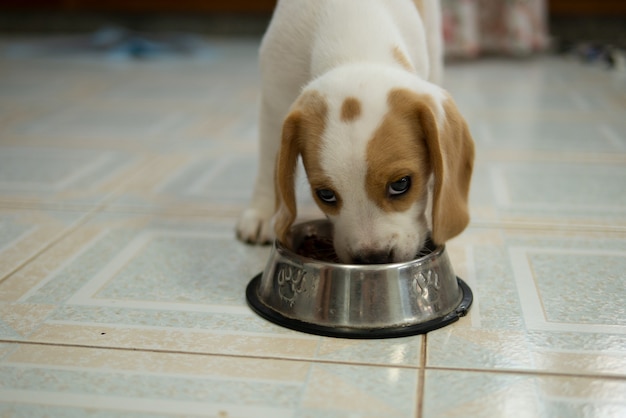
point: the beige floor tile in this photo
(73, 381)
(461, 394)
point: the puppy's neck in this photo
(381, 35)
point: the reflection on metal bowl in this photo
(357, 301)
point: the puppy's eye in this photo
(326, 196)
(399, 187)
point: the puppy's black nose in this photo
(372, 257)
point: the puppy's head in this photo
(388, 167)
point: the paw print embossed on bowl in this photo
(356, 301)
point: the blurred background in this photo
(593, 29)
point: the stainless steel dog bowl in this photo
(357, 301)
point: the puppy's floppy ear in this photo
(285, 175)
(303, 126)
(451, 154)
(451, 151)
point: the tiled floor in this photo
(122, 286)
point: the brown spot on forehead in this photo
(396, 150)
(401, 58)
(350, 109)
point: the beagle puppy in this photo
(350, 87)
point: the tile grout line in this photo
(537, 226)
(98, 208)
(421, 370)
(192, 353)
(535, 373)
(421, 378)
(71, 229)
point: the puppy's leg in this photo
(284, 65)
(254, 224)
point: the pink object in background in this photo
(474, 27)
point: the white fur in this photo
(343, 48)
(361, 226)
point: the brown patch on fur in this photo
(318, 179)
(409, 142)
(350, 109)
(395, 151)
(402, 59)
(302, 132)
(419, 5)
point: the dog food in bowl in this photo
(318, 248)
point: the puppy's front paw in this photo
(254, 227)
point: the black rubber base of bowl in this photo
(357, 333)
